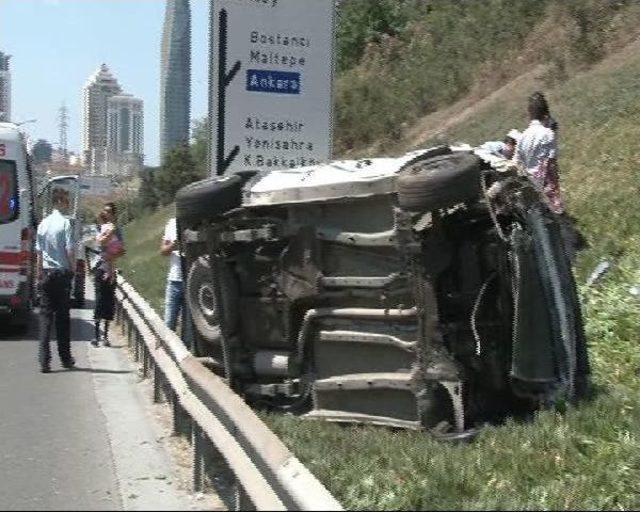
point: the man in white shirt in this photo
(54, 271)
(174, 292)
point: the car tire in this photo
(201, 299)
(210, 198)
(207, 199)
(22, 321)
(439, 182)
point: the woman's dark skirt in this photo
(105, 296)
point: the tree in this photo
(178, 170)
(41, 152)
(200, 145)
(147, 193)
(364, 21)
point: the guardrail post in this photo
(136, 349)
(175, 405)
(218, 475)
(181, 421)
(145, 360)
(158, 393)
(123, 320)
(242, 500)
(129, 329)
(119, 311)
(198, 457)
(129, 342)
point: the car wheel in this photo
(202, 293)
(21, 321)
(439, 182)
(207, 199)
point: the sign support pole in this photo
(224, 79)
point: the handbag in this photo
(115, 248)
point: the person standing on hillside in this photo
(174, 291)
(537, 153)
(54, 272)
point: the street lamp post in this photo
(27, 121)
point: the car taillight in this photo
(25, 251)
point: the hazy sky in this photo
(57, 44)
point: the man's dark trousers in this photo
(55, 304)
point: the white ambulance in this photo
(17, 228)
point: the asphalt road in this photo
(81, 439)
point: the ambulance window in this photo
(8, 191)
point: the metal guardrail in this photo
(223, 429)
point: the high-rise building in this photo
(125, 124)
(175, 76)
(101, 86)
(5, 88)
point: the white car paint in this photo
(16, 235)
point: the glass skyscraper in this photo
(5, 88)
(175, 76)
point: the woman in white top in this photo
(111, 244)
(537, 153)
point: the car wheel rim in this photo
(207, 302)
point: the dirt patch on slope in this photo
(440, 122)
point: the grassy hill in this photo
(599, 152)
(587, 457)
(143, 266)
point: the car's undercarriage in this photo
(443, 299)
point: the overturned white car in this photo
(414, 292)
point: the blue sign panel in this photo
(279, 82)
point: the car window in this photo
(8, 191)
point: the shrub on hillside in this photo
(449, 48)
(147, 194)
(361, 22)
(179, 169)
(200, 145)
(432, 62)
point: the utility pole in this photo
(63, 126)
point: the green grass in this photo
(585, 458)
(143, 266)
